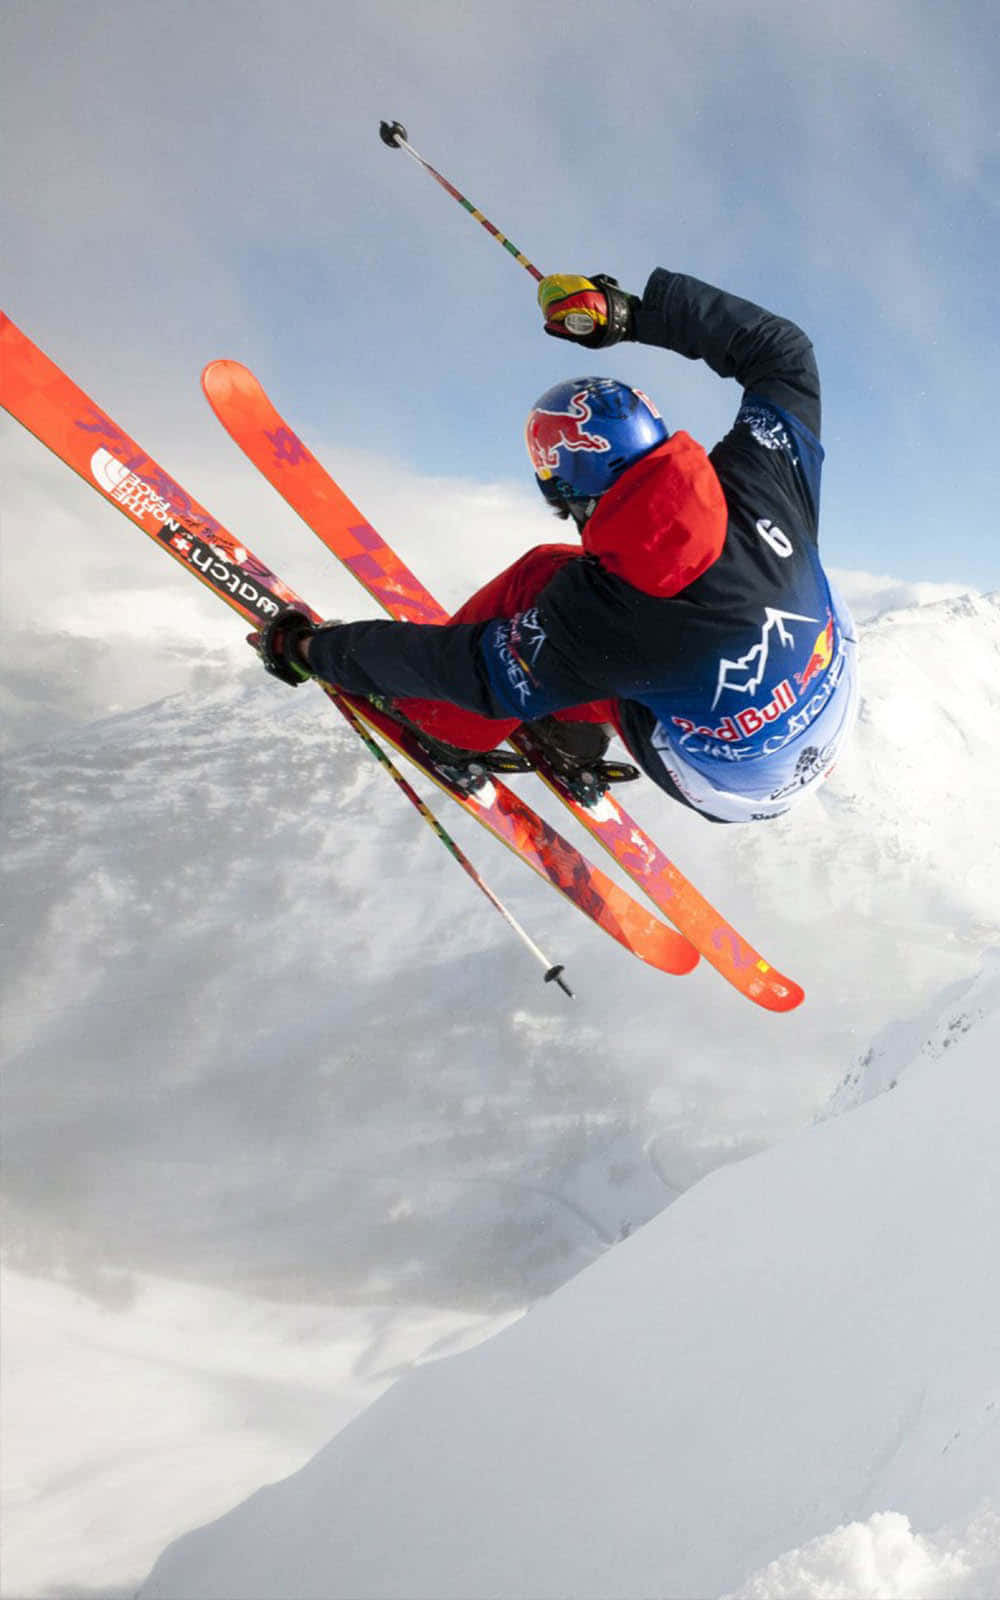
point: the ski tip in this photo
(778, 994)
(222, 377)
(213, 378)
(684, 957)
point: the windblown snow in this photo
(288, 1111)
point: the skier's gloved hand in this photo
(279, 646)
(593, 311)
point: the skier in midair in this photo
(694, 616)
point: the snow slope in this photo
(263, 1040)
(806, 1339)
(134, 1411)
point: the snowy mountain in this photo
(806, 1339)
(263, 1039)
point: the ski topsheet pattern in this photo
(247, 414)
(40, 396)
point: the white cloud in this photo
(869, 594)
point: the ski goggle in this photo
(558, 494)
(556, 491)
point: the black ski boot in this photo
(468, 770)
(574, 753)
(570, 741)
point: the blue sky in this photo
(185, 182)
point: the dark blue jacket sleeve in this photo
(415, 659)
(765, 353)
(777, 428)
(578, 643)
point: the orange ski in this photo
(247, 414)
(41, 397)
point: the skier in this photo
(694, 617)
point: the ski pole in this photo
(394, 135)
(553, 974)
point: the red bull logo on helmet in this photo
(548, 432)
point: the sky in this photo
(183, 183)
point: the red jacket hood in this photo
(664, 522)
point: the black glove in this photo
(278, 646)
(593, 311)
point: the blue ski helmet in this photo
(583, 433)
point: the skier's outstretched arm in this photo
(581, 641)
(406, 659)
(766, 354)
